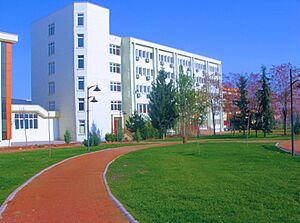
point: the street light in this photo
(97, 89)
(292, 115)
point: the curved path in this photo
(73, 191)
(287, 146)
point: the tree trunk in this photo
(213, 120)
(256, 133)
(284, 121)
(184, 139)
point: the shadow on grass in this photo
(274, 149)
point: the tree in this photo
(186, 100)
(135, 122)
(242, 103)
(162, 104)
(264, 100)
(213, 88)
(281, 89)
(201, 109)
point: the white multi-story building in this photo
(72, 49)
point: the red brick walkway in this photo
(73, 191)
(287, 145)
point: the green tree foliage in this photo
(162, 104)
(186, 100)
(95, 137)
(135, 122)
(297, 125)
(67, 137)
(137, 136)
(201, 108)
(149, 131)
(265, 114)
(242, 103)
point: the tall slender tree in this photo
(186, 100)
(264, 102)
(162, 105)
(242, 103)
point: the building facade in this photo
(6, 42)
(72, 49)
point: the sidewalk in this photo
(287, 146)
(73, 191)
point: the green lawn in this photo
(210, 182)
(16, 168)
(275, 135)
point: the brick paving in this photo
(73, 191)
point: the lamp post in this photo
(97, 89)
(292, 115)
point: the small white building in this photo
(32, 123)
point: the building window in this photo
(51, 86)
(115, 68)
(116, 105)
(142, 108)
(80, 61)
(81, 127)
(51, 49)
(51, 29)
(115, 86)
(51, 105)
(51, 68)
(80, 40)
(80, 19)
(81, 104)
(114, 49)
(27, 121)
(80, 83)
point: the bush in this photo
(67, 137)
(297, 125)
(120, 135)
(109, 137)
(94, 140)
(149, 131)
(137, 136)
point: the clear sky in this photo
(244, 34)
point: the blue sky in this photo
(243, 34)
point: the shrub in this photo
(67, 137)
(149, 131)
(109, 137)
(94, 140)
(120, 135)
(137, 136)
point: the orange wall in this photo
(8, 88)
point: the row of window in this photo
(115, 68)
(143, 88)
(166, 59)
(143, 54)
(114, 49)
(51, 29)
(213, 69)
(115, 86)
(51, 68)
(116, 105)
(51, 88)
(27, 121)
(144, 71)
(51, 48)
(142, 108)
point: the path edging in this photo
(285, 150)
(119, 205)
(13, 194)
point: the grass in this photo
(16, 168)
(208, 182)
(275, 135)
